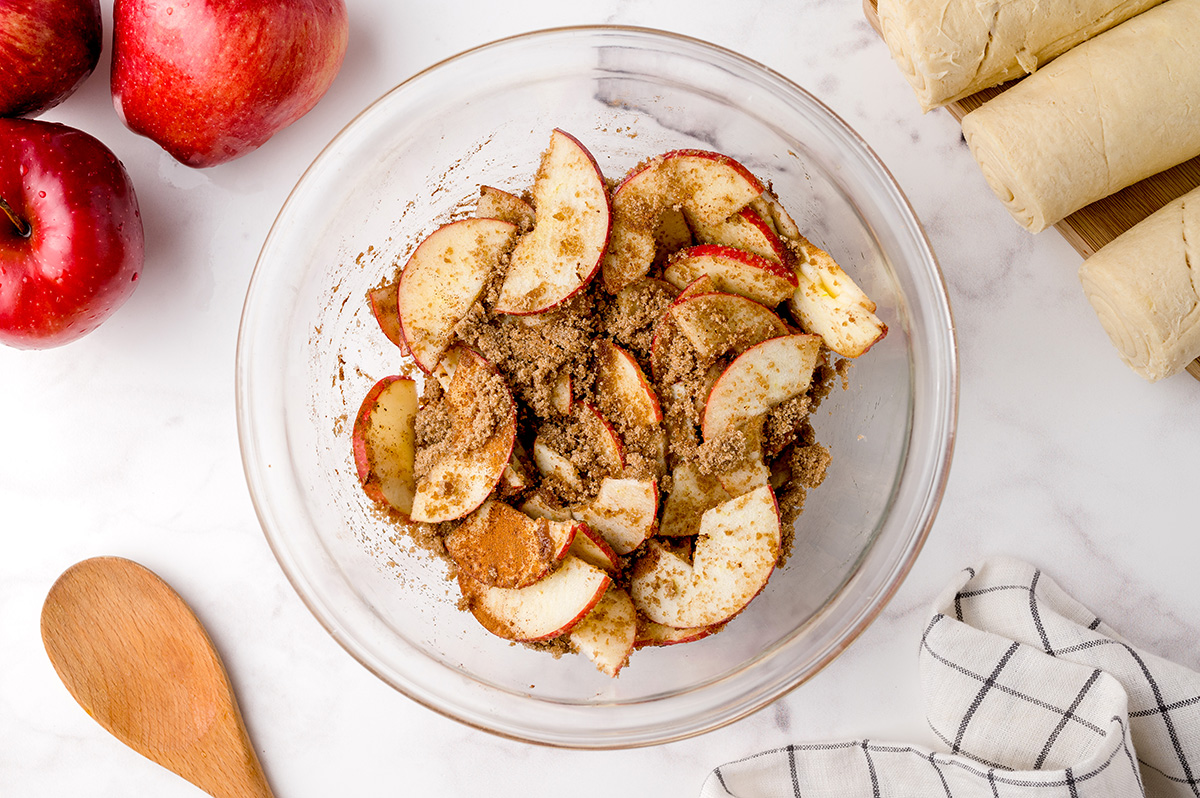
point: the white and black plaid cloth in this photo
(1032, 696)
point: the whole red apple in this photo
(71, 241)
(47, 48)
(211, 80)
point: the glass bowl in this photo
(309, 349)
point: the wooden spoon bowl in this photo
(137, 659)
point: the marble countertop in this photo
(124, 443)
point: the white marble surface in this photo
(124, 443)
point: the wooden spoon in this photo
(136, 658)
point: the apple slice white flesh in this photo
(591, 547)
(516, 476)
(751, 470)
(562, 396)
(546, 609)
(826, 301)
(735, 553)
(709, 186)
(606, 443)
(624, 512)
(555, 465)
(503, 547)
(758, 379)
(495, 203)
(746, 230)
(703, 284)
(384, 442)
(650, 633)
(644, 222)
(466, 470)
(442, 280)
(562, 252)
(692, 493)
(720, 324)
(733, 271)
(386, 313)
(606, 635)
(629, 401)
(541, 504)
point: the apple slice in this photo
(546, 609)
(591, 547)
(442, 280)
(644, 222)
(733, 271)
(826, 301)
(562, 395)
(516, 476)
(495, 203)
(465, 465)
(386, 313)
(562, 252)
(692, 493)
(554, 465)
(502, 547)
(384, 442)
(604, 441)
(710, 186)
(624, 512)
(628, 399)
(542, 504)
(745, 230)
(650, 633)
(758, 379)
(750, 471)
(735, 553)
(607, 634)
(703, 284)
(720, 324)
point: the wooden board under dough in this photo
(1092, 227)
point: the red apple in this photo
(211, 80)
(47, 49)
(71, 242)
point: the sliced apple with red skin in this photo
(628, 399)
(384, 442)
(733, 271)
(562, 252)
(644, 222)
(758, 379)
(610, 453)
(502, 547)
(607, 634)
(591, 547)
(516, 476)
(692, 493)
(442, 280)
(386, 313)
(650, 633)
(495, 203)
(710, 186)
(751, 470)
(465, 469)
(624, 512)
(826, 301)
(720, 324)
(735, 554)
(745, 230)
(546, 609)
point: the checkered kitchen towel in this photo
(1032, 696)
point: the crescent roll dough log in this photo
(948, 49)
(1114, 110)
(1145, 287)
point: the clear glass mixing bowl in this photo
(309, 350)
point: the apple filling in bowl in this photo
(612, 444)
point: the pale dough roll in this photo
(948, 49)
(1112, 111)
(1145, 287)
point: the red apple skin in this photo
(211, 80)
(47, 49)
(85, 247)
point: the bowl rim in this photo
(927, 509)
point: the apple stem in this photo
(23, 228)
